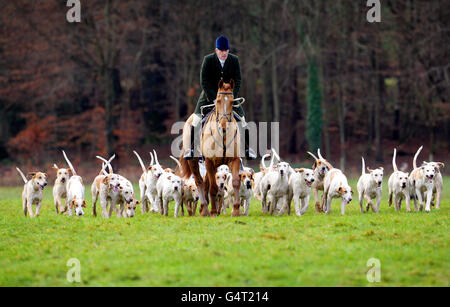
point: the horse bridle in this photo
(228, 116)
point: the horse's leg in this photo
(213, 189)
(193, 165)
(235, 165)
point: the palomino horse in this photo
(219, 144)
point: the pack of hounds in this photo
(275, 185)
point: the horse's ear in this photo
(220, 83)
(232, 84)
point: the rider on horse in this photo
(217, 66)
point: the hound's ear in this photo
(55, 167)
(169, 177)
(370, 170)
(314, 165)
(441, 164)
(340, 190)
(70, 170)
(84, 204)
(299, 170)
(232, 84)
(381, 168)
(45, 174)
(105, 180)
(220, 84)
(31, 174)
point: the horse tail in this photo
(185, 170)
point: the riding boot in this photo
(189, 154)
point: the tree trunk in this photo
(111, 85)
(276, 102)
(378, 104)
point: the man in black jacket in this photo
(217, 66)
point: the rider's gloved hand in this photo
(196, 119)
(244, 123)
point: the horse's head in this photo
(224, 103)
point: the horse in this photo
(219, 144)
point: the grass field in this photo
(258, 250)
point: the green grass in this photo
(258, 250)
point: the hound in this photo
(398, 185)
(421, 181)
(125, 196)
(32, 191)
(155, 172)
(300, 184)
(75, 191)
(223, 169)
(438, 182)
(59, 188)
(143, 183)
(106, 187)
(245, 189)
(257, 177)
(290, 170)
(274, 187)
(222, 179)
(202, 168)
(169, 188)
(127, 203)
(369, 187)
(336, 186)
(130, 208)
(320, 167)
(190, 196)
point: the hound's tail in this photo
(140, 161)
(363, 172)
(318, 153)
(312, 155)
(263, 164)
(103, 171)
(394, 166)
(276, 155)
(21, 174)
(179, 169)
(185, 169)
(108, 162)
(70, 164)
(415, 157)
(156, 157)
